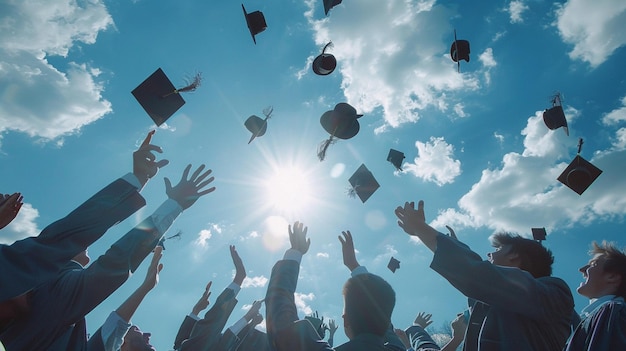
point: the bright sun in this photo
(288, 190)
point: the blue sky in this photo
(477, 150)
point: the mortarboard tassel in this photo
(192, 85)
(321, 150)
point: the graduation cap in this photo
(580, 173)
(363, 184)
(396, 157)
(393, 264)
(539, 234)
(159, 98)
(176, 236)
(341, 123)
(324, 64)
(459, 50)
(329, 4)
(255, 21)
(258, 126)
(554, 117)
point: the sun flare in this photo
(288, 190)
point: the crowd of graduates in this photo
(48, 284)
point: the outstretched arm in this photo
(128, 308)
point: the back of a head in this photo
(615, 262)
(534, 257)
(369, 301)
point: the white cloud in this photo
(22, 226)
(435, 162)
(205, 234)
(322, 255)
(595, 28)
(516, 9)
(499, 137)
(486, 58)
(38, 98)
(617, 115)
(390, 58)
(459, 109)
(525, 188)
(301, 302)
(254, 282)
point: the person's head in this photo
(136, 340)
(605, 273)
(82, 258)
(368, 304)
(515, 251)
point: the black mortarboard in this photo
(396, 157)
(393, 264)
(539, 234)
(329, 4)
(554, 117)
(363, 183)
(258, 126)
(159, 98)
(341, 122)
(255, 21)
(579, 175)
(459, 50)
(324, 64)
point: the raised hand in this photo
(332, 326)
(254, 311)
(188, 191)
(459, 326)
(9, 207)
(452, 233)
(403, 337)
(298, 239)
(152, 276)
(423, 320)
(144, 165)
(204, 300)
(347, 249)
(413, 222)
(240, 270)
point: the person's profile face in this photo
(501, 256)
(594, 283)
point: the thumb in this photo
(168, 184)
(160, 267)
(162, 163)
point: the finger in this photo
(206, 191)
(208, 286)
(195, 174)
(205, 183)
(185, 172)
(203, 175)
(343, 242)
(148, 138)
(149, 148)
(452, 233)
(162, 163)
(159, 268)
(168, 184)
(420, 206)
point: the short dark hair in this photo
(614, 262)
(535, 258)
(369, 302)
